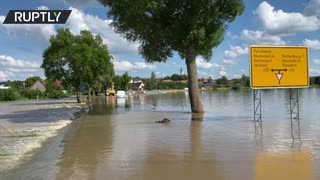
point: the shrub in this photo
(9, 95)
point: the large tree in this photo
(78, 58)
(190, 27)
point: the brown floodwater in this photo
(119, 140)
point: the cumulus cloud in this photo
(39, 32)
(81, 3)
(78, 21)
(230, 62)
(223, 73)
(314, 44)
(235, 51)
(14, 65)
(236, 76)
(314, 71)
(128, 66)
(3, 76)
(206, 65)
(261, 38)
(316, 61)
(313, 8)
(281, 23)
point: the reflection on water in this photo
(119, 139)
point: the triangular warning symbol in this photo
(279, 76)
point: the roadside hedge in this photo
(16, 94)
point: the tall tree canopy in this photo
(78, 58)
(190, 27)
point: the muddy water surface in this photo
(120, 140)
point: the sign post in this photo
(278, 67)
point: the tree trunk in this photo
(89, 95)
(195, 101)
(78, 96)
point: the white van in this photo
(121, 94)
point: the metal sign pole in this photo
(258, 119)
(257, 105)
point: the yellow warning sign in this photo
(278, 67)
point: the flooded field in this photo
(119, 140)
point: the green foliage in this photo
(32, 94)
(152, 82)
(9, 94)
(75, 58)
(56, 94)
(31, 80)
(16, 94)
(177, 77)
(189, 27)
(17, 84)
(125, 81)
(173, 85)
(122, 82)
(245, 81)
(222, 81)
(166, 26)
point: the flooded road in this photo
(119, 140)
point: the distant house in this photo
(137, 86)
(135, 80)
(182, 81)
(207, 85)
(38, 86)
(167, 81)
(58, 85)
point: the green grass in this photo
(20, 135)
(3, 154)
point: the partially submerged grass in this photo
(23, 134)
(3, 154)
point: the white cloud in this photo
(230, 62)
(3, 76)
(236, 76)
(316, 61)
(128, 66)
(206, 65)
(235, 51)
(243, 71)
(14, 65)
(313, 8)
(39, 32)
(281, 23)
(82, 3)
(116, 43)
(43, 8)
(314, 44)
(202, 74)
(260, 38)
(314, 71)
(223, 73)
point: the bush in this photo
(236, 86)
(56, 94)
(9, 95)
(32, 94)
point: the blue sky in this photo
(272, 22)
